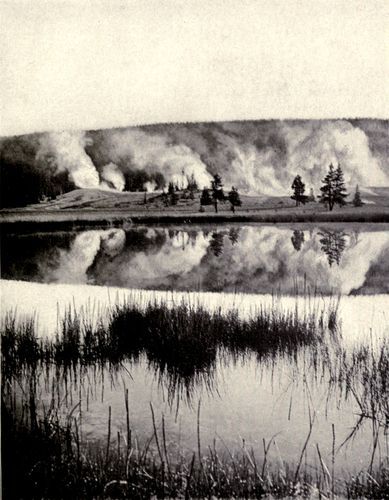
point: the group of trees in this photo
(333, 190)
(215, 194)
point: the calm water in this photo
(241, 397)
(248, 259)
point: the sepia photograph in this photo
(194, 216)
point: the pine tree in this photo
(217, 190)
(340, 193)
(234, 199)
(357, 200)
(328, 196)
(298, 191)
(205, 198)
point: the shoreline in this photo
(72, 218)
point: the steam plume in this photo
(257, 157)
(67, 151)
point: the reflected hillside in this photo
(251, 259)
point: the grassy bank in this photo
(69, 218)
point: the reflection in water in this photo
(252, 259)
(216, 243)
(297, 240)
(233, 235)
(282, 391)
(333, 244)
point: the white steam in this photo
(150, 186)
(157, 153)
(313, 146)
(67, 151)
(257, 158)
(112, 177)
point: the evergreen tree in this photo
(205, 198)
(327, 190)
(234, 199)
(298, 191)
(340, 193)
(357, 200)
(217, 190)
(173, 198)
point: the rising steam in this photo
(256, 157)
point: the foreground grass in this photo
(43, 458)
(46, 456)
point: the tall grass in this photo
(181, 342)
(46, 456)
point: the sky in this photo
(82, 65)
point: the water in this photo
(242, 398)
(248, 259)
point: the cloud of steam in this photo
(137, 149)
(112, 177)
(67, 151)
(257, 157)
(314, 145)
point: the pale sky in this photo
(97, 64)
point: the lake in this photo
(280, 396)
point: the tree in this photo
(357, 200)
(192, 186)
(340, 193)
(173, 198)
(298, 191)
(217, 190)
(327, 190)
(205, 198)
(234, 199)
(311, 197)
(333, 189)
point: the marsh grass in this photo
(181, 341)
(49, 458)
(45, 454)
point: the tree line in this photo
(215, 194)
(333, 190)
